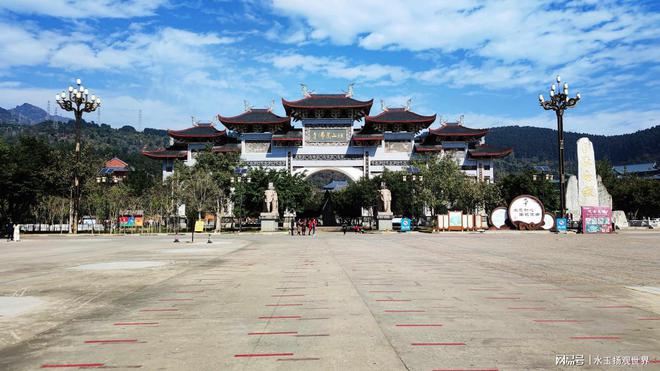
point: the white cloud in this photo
(507, 30)
(341, 68)
(23, 46)
(85, 8)
(506, 41)
(606, 122)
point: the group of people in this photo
(13, 232)
(305, 226)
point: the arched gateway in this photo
(319, 132)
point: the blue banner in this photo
(405, 224)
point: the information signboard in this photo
(561, 224)
(199, 226)
(455, 220)
(405, 224)
(596, 219)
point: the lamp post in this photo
(559, 102)
(241, 177)
(414, 178)
(77, 100)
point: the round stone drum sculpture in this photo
(499, 217)
(526, 212)
(548, 221)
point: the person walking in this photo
(344, 227)
(17, 232)
(309, 226)
(10, 231)
(292, 225)
(314, 223)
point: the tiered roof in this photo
(291, 136)
(456, 131)
(398, 119)
(256, 120)
(176, 150)
(326, 102)
(485, 151)
(203, 131)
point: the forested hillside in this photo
(538, 145)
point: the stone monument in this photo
(572, 201)
(588, 188)
(604, 197)
(270, 218)
(385, 213)
(587, 181)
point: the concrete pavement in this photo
(459, 301)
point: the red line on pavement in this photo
(385, 291)
(526, 308)
(71, 365)
(263, 355)
(404, 311)
(174, 299)
(502, 297)
(393, 300)
(279, 317)
(274, 333)
(111, 341)
(159, 310)
(420, 325)
(188, 291)
(286, 295)
(134, 323)
(436, 344)
(283, 305)
(649, 319)
(595, 337)
(289, 288)
(558, 321)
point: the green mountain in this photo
(532, 145)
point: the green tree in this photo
(294, 192)
(516, 184)
(357, 195)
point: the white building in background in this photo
(320, 132)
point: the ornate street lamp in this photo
(241, 177)
(77, 100)
(559, 102)
(414, 178)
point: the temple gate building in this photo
(333, 132)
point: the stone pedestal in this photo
(269, 222)
(384, 221)
(286, 223)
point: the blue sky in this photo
(487, 60)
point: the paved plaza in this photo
(450, 301)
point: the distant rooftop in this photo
(648, 167)
(336, 185)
